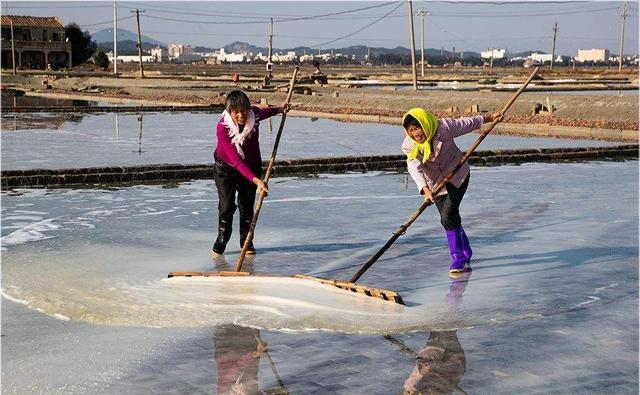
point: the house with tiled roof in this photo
(38, 42)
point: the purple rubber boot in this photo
(466, 247)
(459, 263)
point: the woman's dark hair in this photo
(409, 121)
(237, 100)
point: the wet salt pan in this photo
(29, 233)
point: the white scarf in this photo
(238, 138)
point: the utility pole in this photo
(115, 39)
(413, 48)
(13, 49)
(624, 14)
(553, 49)
(422, 14)
(139, 42)
(270, 64)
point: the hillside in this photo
(106, 36)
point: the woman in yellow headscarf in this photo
(431, 155)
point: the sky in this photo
(467, 26)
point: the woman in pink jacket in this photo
(238, 165)
(431, 155)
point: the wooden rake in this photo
(351, 284)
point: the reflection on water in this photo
(140, 135)
(99, 254)
(32, 101)
(441, 363)
(31, 121)
(237, 354)
(238, 351)
(57, 141)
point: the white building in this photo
(593, 55)
(306, 58)
(132, 58)
(182, 53)
(541, 57)
(232, 57)
(160, 55)
(289, 57)
(209, 57)
(278, 57)
(494, 53)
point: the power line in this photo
(160, 11)
(205, 22)
(373, 39)
(514, 15)
(106, 22)
(516, 2)
(359, 30)
(255, 17)
(335, 13)
(84, 5)
(263, 20)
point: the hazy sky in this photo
(467, 26)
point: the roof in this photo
(32, 21)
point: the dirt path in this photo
(593, 110)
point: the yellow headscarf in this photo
(429, 124)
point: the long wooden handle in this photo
(267, 174)
(403, 228)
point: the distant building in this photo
(306, 58)
(221, 56)
(494, 53)
(593, 55)
(231, 57)
(131, 58)
(160, 55)
(278, 57)
(212, 59)
(38, 42)
(182, 53)
(541, 57)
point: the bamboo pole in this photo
(262, 194)
(402, 230)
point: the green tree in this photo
(82, 48)
(102, 60)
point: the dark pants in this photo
(229, 182)
(449, 205)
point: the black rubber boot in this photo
(224, 234)
(244, 231)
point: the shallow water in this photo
(77, 140)
(550, 307)
(84, 254)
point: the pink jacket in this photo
(226, 151)
(445, 154)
